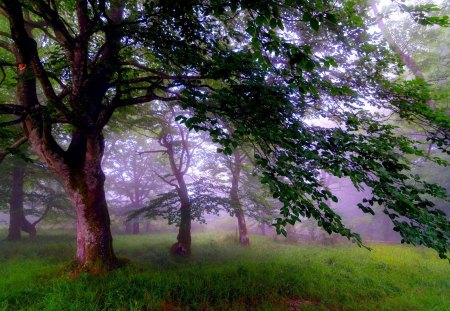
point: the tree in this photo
(30, 192)
(79, 61)
(231, 167)
(204, 197)
(235, 169)
(130, 172)
(17, 220)
(177, 145)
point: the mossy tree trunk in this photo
(85, 185)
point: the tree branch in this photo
(8, 123)
(169, 182)
(9, 47)
(47, 209)
(14, 146)
(163, 75)
(56, 22)
(150, 151)
(12, 109)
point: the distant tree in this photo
(130, 181)
(231, 167)
(245, 61)
(235, 166)
(31, 193)
(177, 144)
(205, 198)
(17, 220)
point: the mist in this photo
(224, 155)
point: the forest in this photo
(224, 155)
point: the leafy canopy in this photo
(271, 69)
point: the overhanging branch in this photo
(14, 146)
(12, 109)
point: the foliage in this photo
(130, 172)
(271, 69)
(205, 198)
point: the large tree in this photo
(263, 66)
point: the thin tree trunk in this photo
(409, 62)
(136, 229)
(128, 227)
(243, 233)
(263, 228)
(184, 240)
(18, 221)
(148, 227)
(183, 245)
(16, 204)
(234, 197)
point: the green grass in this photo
(223, 276)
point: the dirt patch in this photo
(295, 304)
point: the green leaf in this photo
(273, 23)
(314, 23)
(251, 30)
(307, 17)
(260, 20)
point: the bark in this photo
(183, 244)
(18, 222)
(80, 165)
(86, 189)
(136, 227)
(132, 226)
(243, 233)
(128, 227)
(235, 201)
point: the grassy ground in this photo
(224, 276)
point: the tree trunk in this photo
(235, 201)
(16, 204)
(409, 62)
(183, 244)
(18, 222)
(128, 227)
(263, 228)
(136, 227)
(86, 189)
(243, 234)
(148, 227)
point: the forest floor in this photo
(220, 275)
